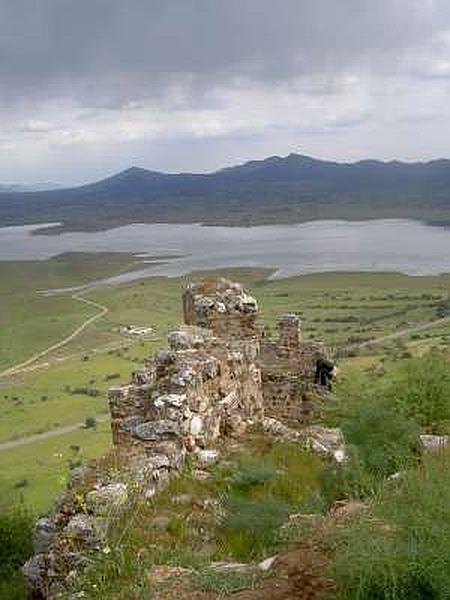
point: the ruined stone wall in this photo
(205, 385)
(288, 368)
(200, 388)
(218, 375)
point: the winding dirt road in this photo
(103, 311)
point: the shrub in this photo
(16, 524)
(110, 376)
(83, 390)
(253, 471)
(420, 390)
(400, 550)
(250, 528)
(90, 423)
(385, 439)
(380, 439)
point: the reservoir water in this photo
(399, 245)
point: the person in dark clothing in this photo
(324, 372)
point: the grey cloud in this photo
(106, 52)
(91, 86)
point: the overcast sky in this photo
(89, 87)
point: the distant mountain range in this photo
(287, 189)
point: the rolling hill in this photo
(287, 189)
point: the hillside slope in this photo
(275, 190)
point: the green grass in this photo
(30, 322)
(341, 308)
(400, 548)
(16, 525)
(221, 530)
(43, 399)
(270, 480)
(224, 583)
(39, 471)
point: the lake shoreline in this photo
(169, 250)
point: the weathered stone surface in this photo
(84, 529)
(105, 499)
(275, 428)
(434, 442)
(44, 534)
(196, 425)
(328, 441)
(175, 400)
(155, 430)
(160, 461)
(266, 564)
(80, 475)
(207, 457)
(35, 573)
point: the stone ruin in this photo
(220, 375)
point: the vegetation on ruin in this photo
(234, 515)
(394, 548)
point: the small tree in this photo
(90, 423)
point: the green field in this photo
(70, 384)
(39, 471)
(30, 322)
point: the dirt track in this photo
(40, 437)
(103, 311)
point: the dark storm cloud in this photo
(91, 86)
(105, 52)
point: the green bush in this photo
(253, 471)
(380, 438)
(16, 524)
(349, 480)
(250, 528)
(420, 390)
(384, 438)
(400, 549)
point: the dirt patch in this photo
(300, 574)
